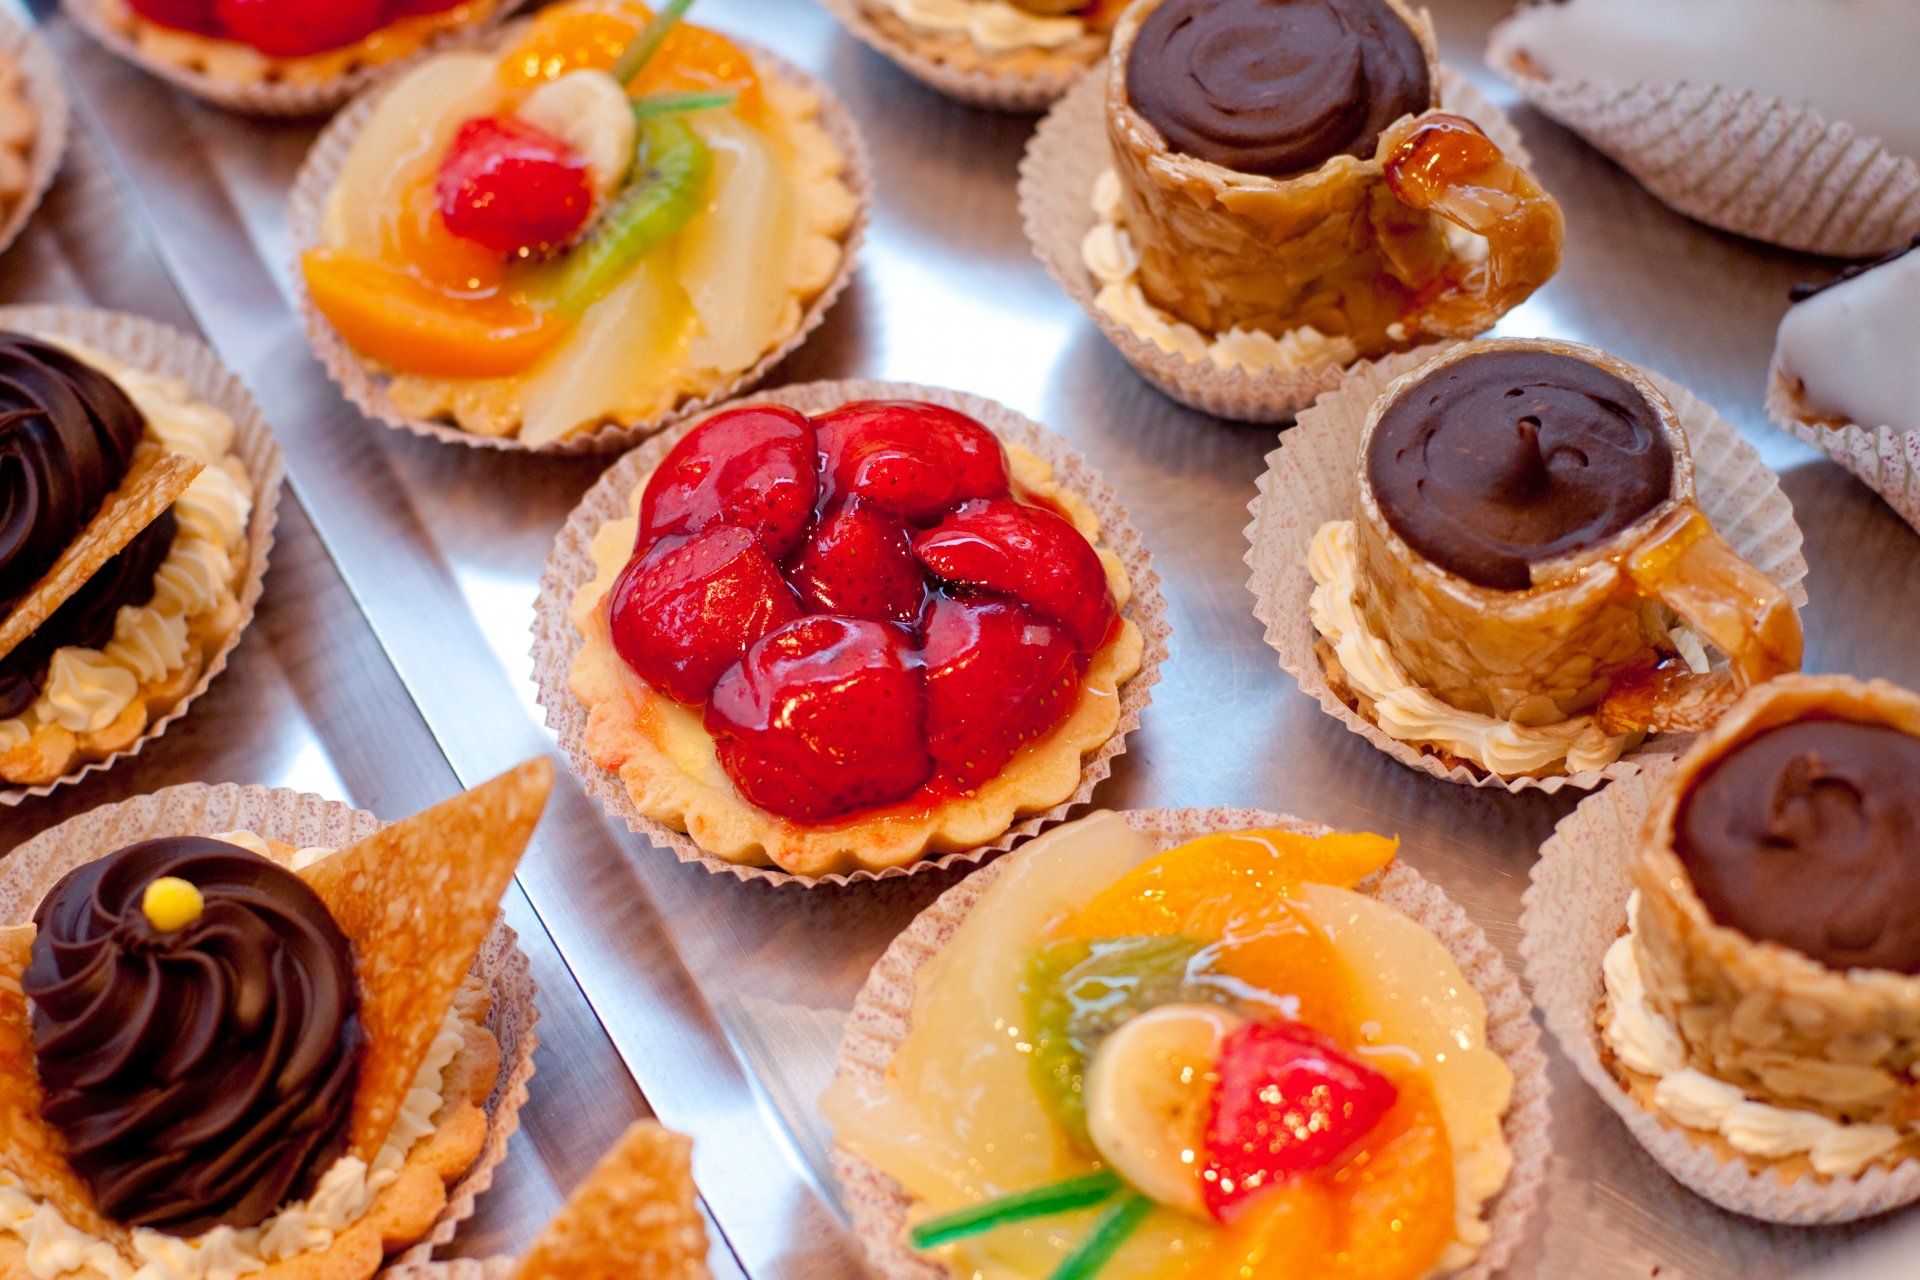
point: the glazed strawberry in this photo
(997, 678)
(751, 467)
(512, 188)
(858, 563)
(911, 458)
(1029, 553)
(823, 717)
(684, 612)
(413, 8)
(183, 15)
(296, 28)
(1289, 1101)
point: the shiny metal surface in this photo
(723, 1002)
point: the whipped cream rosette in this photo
(253, 1032)
(34, 118)
(1790, 121)
(1724, 949)
(1003, 55)
(602, 222)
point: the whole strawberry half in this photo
(998, 676)
(823, 717)
(296, 28)
(753, 468)
(910, 458)
(683, 612)
(1027, 552)
(1289, 1101)
(858, 563)
(512, 188)
(183, 15)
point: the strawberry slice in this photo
(998, 677)
(823, 717)
(296, 28)
(512, 188)
(683, 612)
(858, 563)
(1029, 553)
(1289, 1101)
(751, 467)
(910, 458)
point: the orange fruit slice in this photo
(591, 35)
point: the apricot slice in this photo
(592, 34)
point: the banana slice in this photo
(1147, 1094)
(589, 111)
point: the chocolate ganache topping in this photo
(1505, 459)
(202, 1076)
(67, 434)
(1276, 87)
(1809, 836)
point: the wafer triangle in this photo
(636, 1217)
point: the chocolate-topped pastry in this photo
(200, 1064)
(1510, 458)
(1276, 87)
(1808, 835)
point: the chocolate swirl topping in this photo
(1809, 836)
(203, 1076)
(1276, 87)
(1505, 459)
(67, 433)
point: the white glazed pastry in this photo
(1853, 347)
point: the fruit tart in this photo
(611, 220)
(844, 642)
(1246, 1047)
(223, 1054)
(278, 57)
(138, 513)
(1009, 55)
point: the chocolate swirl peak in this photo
(1809, 836)
(1276, 87)
(67, 433)
(1508, 458)
(202, 1076)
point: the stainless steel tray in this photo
(389, 663)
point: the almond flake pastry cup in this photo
(305, 821)
(41, 85)
(159, 348)
(557, 642)
(1027, 83)
(1572, 913)
(1885, 459)
(265, 89)
(1754, 165)
(1312, 478)
(1065, 158)
(366, 386)
(883, 1014)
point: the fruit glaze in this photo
(288, 28)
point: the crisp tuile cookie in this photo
(417, 900)
(636, 1217)
(148, 490)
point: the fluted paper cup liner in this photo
(556, 641)
(304, 820)
(366, 386)
(1313, 477)
(454, 1269)
(1744, 162)
(883, 1014)
(110, 22)
(1067, 155)
(40, 81)
(1574, 910)
(1886, 459)
(160, 348)
(1029, 82)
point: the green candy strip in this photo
(679, 104)
(1041, 1202)
(674, 169)
(634, 58)
(1108, 1234)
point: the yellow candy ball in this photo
(171, 904)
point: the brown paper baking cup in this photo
(1750, 164)
(993, 88)
(1311, 479)
(40, 81)
(108, 22)
(883, 1014)
(556, 642)
(367, 388)
(1070, 151)
(1575, 908)
(148, 344)
(304, 820)
(1885, 459)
